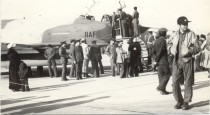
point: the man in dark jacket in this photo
(78, 58)
(50, 55)
(64, 61)
(161, 58)
(122, 19)
(73, 66)
(95, 54)
(14, 62)
(135, 52)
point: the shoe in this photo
(87, 75)
(164, 92)
(178, 105)
(185, 106)
(64, 79)
(157, 89)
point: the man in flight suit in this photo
(111, 52)
(73, 66)
(135, 22)
(50, 55)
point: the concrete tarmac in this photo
(104, 95)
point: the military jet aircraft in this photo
(83, 27)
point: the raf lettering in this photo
(90, 34)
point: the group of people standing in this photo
(128, 24)
(80, 53)
(185, 46)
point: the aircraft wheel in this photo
(39, 70)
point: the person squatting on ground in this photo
(184, 46)
(161, 58)
(24, 74)
(73, 65)
(206, 54)
(111, 52)
(95, 54)
(50, 55)
(14, 62)
(64, 61)
(78, 58)
(85, 49)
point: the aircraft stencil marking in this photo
(90, 34)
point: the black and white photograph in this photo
(144, 57)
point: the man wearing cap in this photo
(64, 61)
(85, 50)
(73, 66)
(78, 58)
(135, 22)
(161, 58)
(95, 53)
(50, 55)
(184, 46)
(111, 52)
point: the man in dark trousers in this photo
(134, 49)
(73, 66)
(64, 61)
(161, 58)
(78, 58)
(114, 19)
(122, 18)
(50, 55)
(135, 22)
(100, 64)
(95, 54)
(14, 62)
(185, 45)
(111, 52)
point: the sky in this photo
(153, 13)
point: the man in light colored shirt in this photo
(85, 49)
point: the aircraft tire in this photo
(39, 70)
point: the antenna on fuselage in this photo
(89, 9)
(122, 4)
